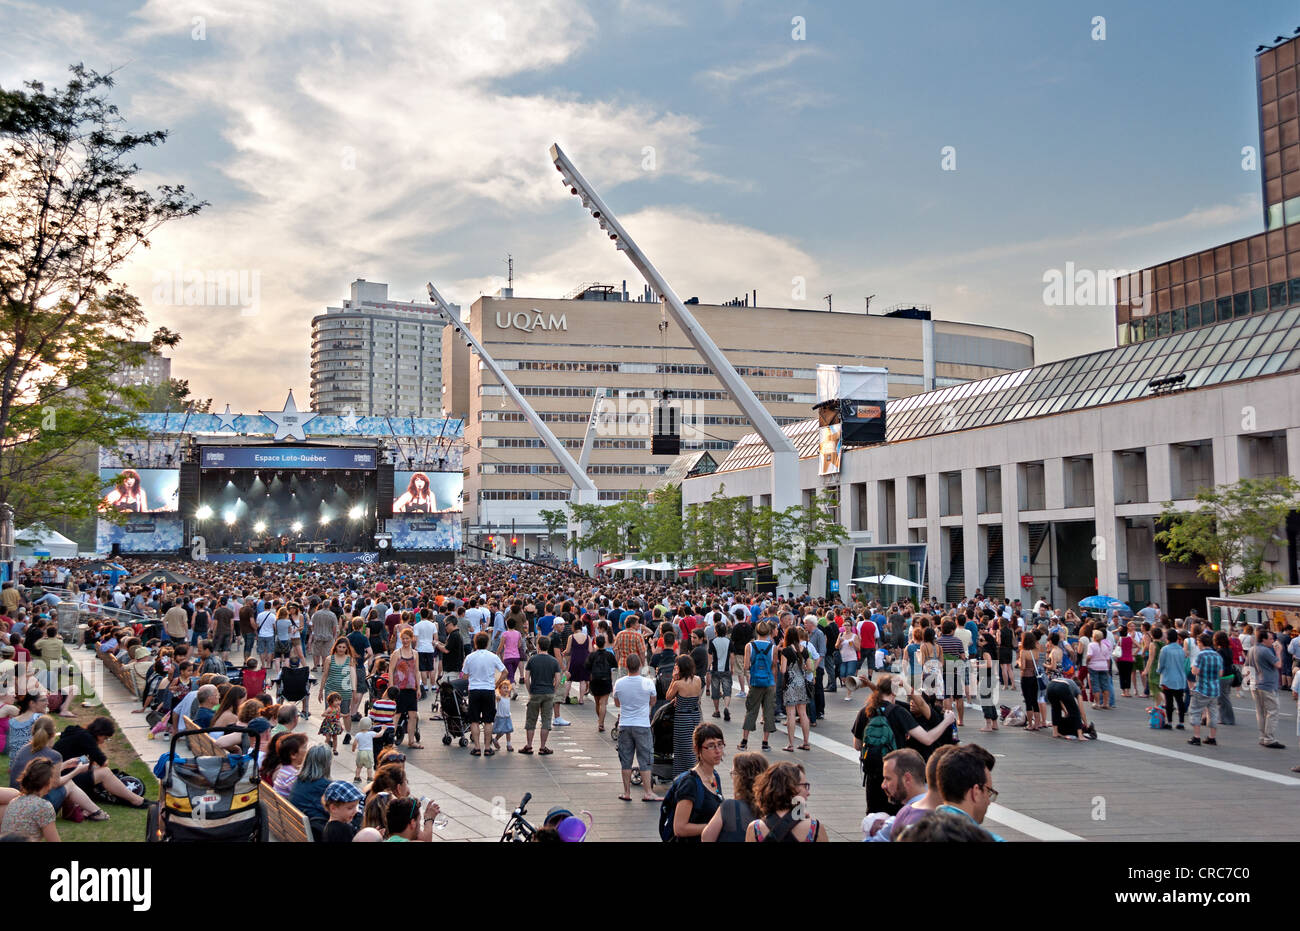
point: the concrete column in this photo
(1012, 568)
(872, 491)
(1293, 451)
(1054, 483)
(933, 536)
(1160, 475)
(1227, 459)
(1105, 543)
(970, 531)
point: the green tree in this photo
(664, 534)
(799, 531)
(70, 215)
(555, 520)
(174, 395)
(1230, 532)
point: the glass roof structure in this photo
(1234, 350)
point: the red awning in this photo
(734, 567)
(687, 572)
(608, 561)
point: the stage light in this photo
(296, 526)
(229, 516)
(324, 519)
(204, 512)
(356, 512)
(259, 527)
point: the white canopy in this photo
(627, 564)
(887, 580)
(37, 540)
(662, 567)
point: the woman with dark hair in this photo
(1223, 646)
(1029, 681)
(127, 496)
(794, 691)
(1006, 652)
(30, 815)
(284, 758)
(88, 741)
(405, 676)
(883, 700)
(341, 676)
(699, 789)
(781, 795)
(729, 822)
(418, 497)
(684, 692)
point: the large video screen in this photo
(428, 492)
(141, 491)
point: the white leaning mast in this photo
(584, 489)
(785, 463)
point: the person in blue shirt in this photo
(1172, 666)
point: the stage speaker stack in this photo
(189, 487)
(384, 489)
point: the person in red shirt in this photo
(688, 623)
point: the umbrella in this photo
(887, 580)
(103, 566)
(1103, 603)
(161, 577)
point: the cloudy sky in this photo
(407, 140)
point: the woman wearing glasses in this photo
(699, 790)
(781, 794)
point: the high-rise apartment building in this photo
(376, 357)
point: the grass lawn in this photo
(124, 824)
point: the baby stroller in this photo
(661, 738)
(453, 697)
(208, 794)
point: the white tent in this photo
(627, 564)
(34, 541)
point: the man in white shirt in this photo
(633, 695)
(426, 633)
(483, 668)
(266, 634)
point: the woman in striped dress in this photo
(340, 676)
(684, 692)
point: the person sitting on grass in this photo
(30, 816)
(43, 734)
(88, 741)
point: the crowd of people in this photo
(371, 650)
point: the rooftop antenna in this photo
(510, 271)
(828, 303)
(869, 299)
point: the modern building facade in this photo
(1047, 482)
(376, 357)
(560, 353)
(153, 370)
(1246, 276)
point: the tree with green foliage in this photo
(555, 520)
(799, 531)
(70, 215)
(1231, 531)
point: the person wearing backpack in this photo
(884, 725)
(781, 796)
(695, 795)
(760, 669)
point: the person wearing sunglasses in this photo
(966, 783)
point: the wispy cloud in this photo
(729, 76)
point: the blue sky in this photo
(334, 142)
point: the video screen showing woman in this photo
(427, 493)
(127, 496)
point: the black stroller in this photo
(453, 700)
(208, 794)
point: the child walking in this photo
(364, 747)
(331, 724)
(503, 725)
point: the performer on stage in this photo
(418, 497)
(127, 496)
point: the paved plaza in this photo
(1132, 784)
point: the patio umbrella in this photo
(1103, 603)
(161, 577)
(887, 580)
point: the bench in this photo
(284, 822)
(200, 744)
(123, 674)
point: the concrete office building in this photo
(1249, 275)
(559, 352)
(376, 357)
(154, 369)
(1046, 482)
